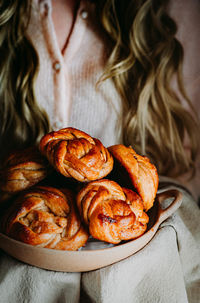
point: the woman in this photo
(141, 56)
(108, 68)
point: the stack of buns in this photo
(72, 187)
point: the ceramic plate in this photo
(96, 254)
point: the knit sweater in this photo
(66, 83)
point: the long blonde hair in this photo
(143, 58)
(18, 69)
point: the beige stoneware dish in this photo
(91, 259)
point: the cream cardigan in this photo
(65, 86)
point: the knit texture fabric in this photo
(73, 98)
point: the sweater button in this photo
(84, 14)
(57, 66)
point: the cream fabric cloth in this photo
(165, 270)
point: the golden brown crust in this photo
(113, 214)
(23, 169)
(142, 173)
(75, 154)
(45, 217)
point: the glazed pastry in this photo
(45, 217)
(141, 172)
(75, 154)
(112, 213)
(23, 169)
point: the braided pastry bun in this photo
(23, 169)
(45, 217)
(141, 172)
(112, 213)
(75, 154)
